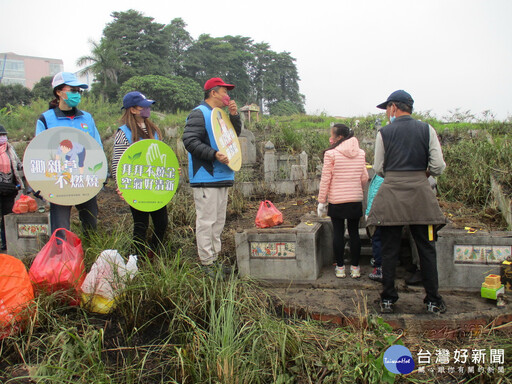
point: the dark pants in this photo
(338, 240)
(6, 204)
(140, 228)
(87, 212)
(391, 240)
(377, 248)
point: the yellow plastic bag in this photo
(107, 278)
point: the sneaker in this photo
(376, 274)
(386, 306)
(340, 271)
(436, 308)
(216, 270)
(355, 272)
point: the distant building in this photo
(26, 70)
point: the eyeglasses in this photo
(74, 90)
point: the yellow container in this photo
(492, 281)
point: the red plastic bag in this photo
(16, 293)
(24, 204)
(268, 215)
(59, 265)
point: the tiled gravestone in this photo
(26, 233)
(281, 253)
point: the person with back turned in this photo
(407, 152)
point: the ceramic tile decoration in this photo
(31, 230)
(272, 249)
(481, 254)
(470, 254)
(499, 254)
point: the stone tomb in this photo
(26, 233)
(300, 253)
(281, 253)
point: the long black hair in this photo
(339, 130)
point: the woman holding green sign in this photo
(137, 126)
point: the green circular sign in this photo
(148, 175)
(66, 164)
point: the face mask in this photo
(73, 99)
(145, 112)
(3, 139)
(392, 118)
(226, 99)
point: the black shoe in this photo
(414, 279)
(386, 306)
(437, 308)
(216, 270)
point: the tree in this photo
(14, 94)
(134, 45)
(141, 44)
(43, 89)
(284, 108)
(171, 94)
(275, 79)
(226, 57)
(105, 65)
(179, 41)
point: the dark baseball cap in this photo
(135, 98)
(399, 96)
(217, 82)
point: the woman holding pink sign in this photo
(137, 126)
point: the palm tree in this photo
(103, 63)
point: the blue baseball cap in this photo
(399, 96)
(135, 98)
(67, 78)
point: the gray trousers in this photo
(211, 204)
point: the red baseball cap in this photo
(217, 82)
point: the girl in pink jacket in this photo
(343, 178)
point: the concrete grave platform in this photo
(304, 284)
(350, 301)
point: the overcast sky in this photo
(350, 54)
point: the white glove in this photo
(321, 210)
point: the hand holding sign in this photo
(222, 158)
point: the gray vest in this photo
(406, 143)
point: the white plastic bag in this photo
(107, 278)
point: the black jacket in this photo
(197, 143)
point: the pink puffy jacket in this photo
(344, 174)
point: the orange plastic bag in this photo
(24, 204)
(59, 265)
(268, 215)
(16, 293)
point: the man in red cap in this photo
(209, 175)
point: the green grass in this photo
(174, 324)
